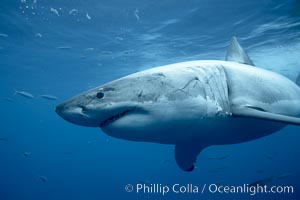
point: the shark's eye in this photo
(100, 95)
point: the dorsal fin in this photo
(236, 53)
(298, 80)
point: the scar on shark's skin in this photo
(191, 105)
(186, 86)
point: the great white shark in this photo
(191, 105)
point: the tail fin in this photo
(16, 91)
(298, 80)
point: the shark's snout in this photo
(64, 108)
(74, 114)
(60, 109)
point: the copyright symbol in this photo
(129, 188)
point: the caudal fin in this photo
(298, 80)
(16, 92)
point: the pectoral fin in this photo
(257, 113)
(186, 155)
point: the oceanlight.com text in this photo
(176, 188)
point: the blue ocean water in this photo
(65, 47)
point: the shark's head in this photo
(120, 108)
(107, 105)
(99, 107)
(146, 106)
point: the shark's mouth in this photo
(114, 118)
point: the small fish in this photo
(128, 52)
(43, 179)
(3, 139)
(91, 141)
(106, 52)
(136, 14)
(49, 97)
(285, 175)
(3, 35)
(26, 154)
(7, 99)
(88, 16)
(89, 49)
(64, 47)
(183, 52)
(24, 94)
(54, 11)
(119, 38)
(38, 35)
(218, 157)
(271, 155)
(73, 11)
(262, 182)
